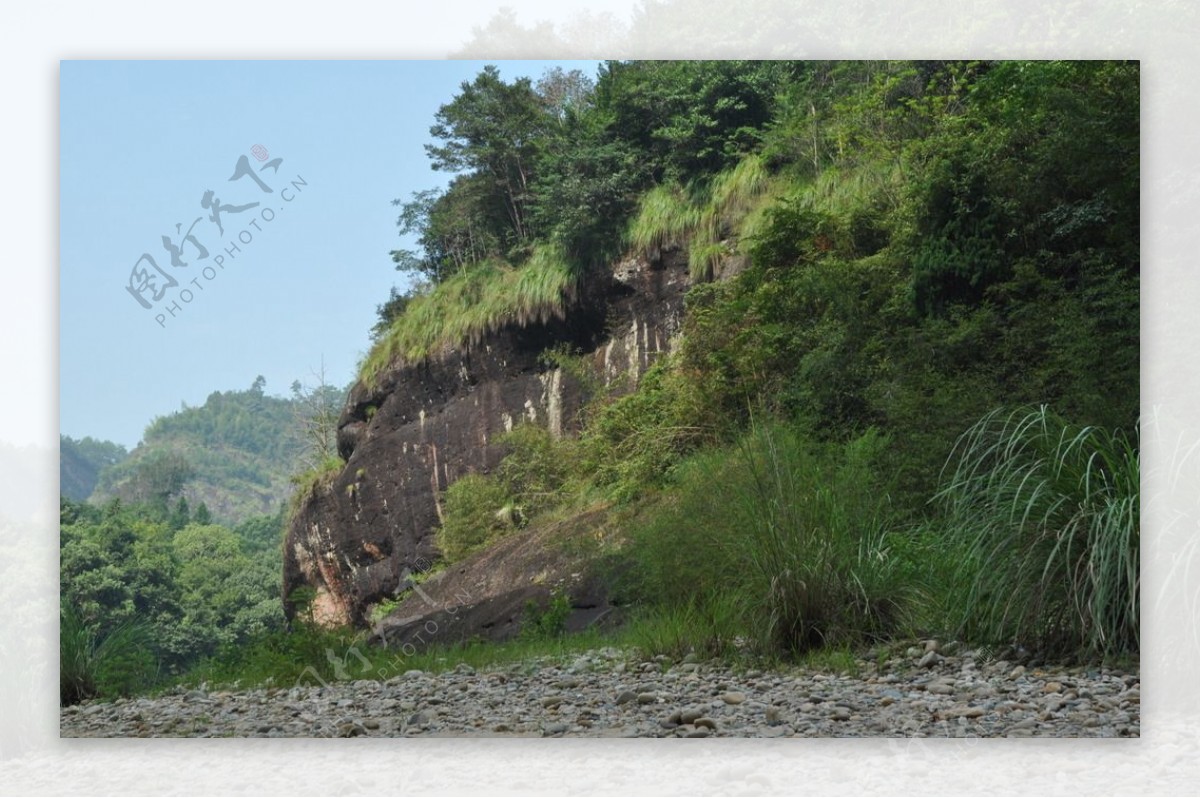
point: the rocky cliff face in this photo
(356, 538)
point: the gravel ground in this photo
(925, 692)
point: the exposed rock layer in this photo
(356, 537)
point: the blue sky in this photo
(141, 144)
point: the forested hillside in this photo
(902, 401)
(906, 391)
(175, 556)
(234, 454)
(147, 592)
(80, 464)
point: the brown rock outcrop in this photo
(357, 537)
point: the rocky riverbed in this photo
(922, 692)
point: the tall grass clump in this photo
(780, 541)
(699, 217)
(91, 665)
(666, 214)
(474, 302)
(840, 191)
(1046, 515)
(735, 192)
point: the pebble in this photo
(608, 692)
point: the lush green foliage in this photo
(473, 515)
(923, 242)
(536, 468)
(631, 441)
(1046, 516)
(119, 663)
(549, 173)
(927, 241)
(729, 206)
(145, 593)
(547, 622)
(533, 477)
(248, 420)
(774, 545)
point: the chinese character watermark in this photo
(150, 284)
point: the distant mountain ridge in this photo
(81, 461)
(235, 454)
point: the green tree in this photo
(690, 118)
(119, 569)
(316, 409)
(565, 95)
(493, 129)
(227, 598)
(181, 515)
(456, 227)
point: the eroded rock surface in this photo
(422, 426)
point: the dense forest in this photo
(170, 554)
(909, 359)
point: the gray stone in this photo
(351, 730)
(964, 700)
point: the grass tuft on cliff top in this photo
(669, 214)
(475, 302)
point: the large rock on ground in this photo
(357, 536)
(494, 593)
